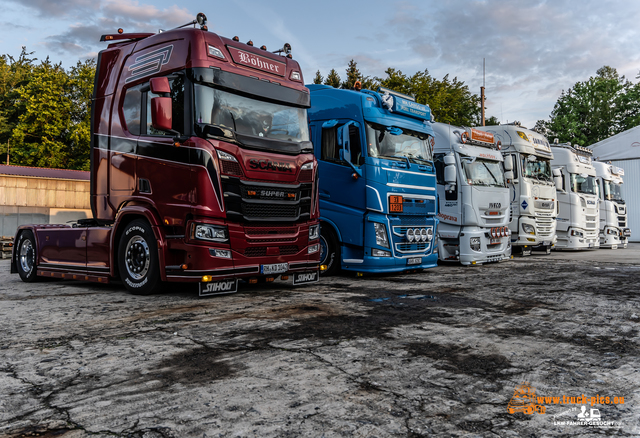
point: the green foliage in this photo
(45, 112)
(318, 79)
(450, 100)
(491, 121)
(333, 79)
(590, 111)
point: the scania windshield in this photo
(480, 172)
(581, 183)
(536, 167)
(612, 191)
(250, 117)
(396, 143)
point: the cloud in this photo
(60, 8)
(533, 49)
(82, 39)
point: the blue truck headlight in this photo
(314, 232)
(474, 243)
(380, 253)
(213, 233)
(381, 234)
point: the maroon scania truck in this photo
(201, 170)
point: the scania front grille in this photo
(251, 201)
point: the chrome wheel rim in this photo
(26, 256)
(137, 258)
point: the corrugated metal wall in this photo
(631, 194)
(32, 200)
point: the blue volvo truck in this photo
(377, 187)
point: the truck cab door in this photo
(342, 178)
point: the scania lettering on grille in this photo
(270, 165)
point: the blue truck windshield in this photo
(250, 116)
(383, 144)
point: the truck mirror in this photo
(159, 85)
(508, 175)
(161, 114)
(449, 159)
(557, 180)
(557, 172)
(508, 163)
(450, 174)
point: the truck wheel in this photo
(329, 251)
(138, 259)
(25, 253)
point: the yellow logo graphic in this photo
(524, 400)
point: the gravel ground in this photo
(437, 353)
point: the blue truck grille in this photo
(399, 226)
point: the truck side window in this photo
(438, 160)
(131, 109)
(177, 107)
(331, 150)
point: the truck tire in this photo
(138, 259)
(329, 251)
(25, 254)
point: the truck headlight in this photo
(313, 248)
(529, 229)
(381, 234)
(474, 243)
(314, 232)
(411, 235)
(380, 253)
(212, 233)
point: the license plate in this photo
(305, 277)
(494, 240)
(219, 287)
(414, 261)
(276, 268)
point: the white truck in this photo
(473, 196)
(532, 191)
(578, 205)
(613, 211)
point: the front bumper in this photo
(250, 252)
(488, 253)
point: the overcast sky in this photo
(533, 49)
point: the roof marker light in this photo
(250, 43)
(235, 38)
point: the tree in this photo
(44, 125)
(333, 79)
(14, 73)
(318, 79)
(450, 100)
(604, 105)
(80, 93)
(491, 121)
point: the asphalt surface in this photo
(437, 353)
